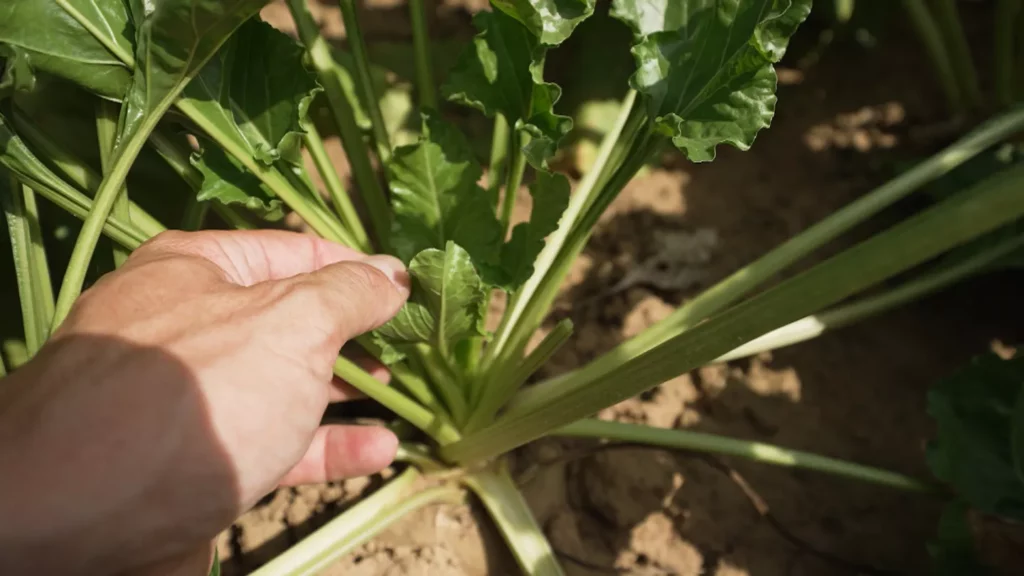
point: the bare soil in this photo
(845, 115)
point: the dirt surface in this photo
(845, 115)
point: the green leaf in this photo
(502, 73)
(271, 88)
(550, 194)
(953, 552)
(447, 302)
(436, 199)
(551, 21)
(649, 16)
(256, 91)
(53, 40)
(227, 182)
(17, 72)
(711, 81)
(973, 452)
(174, 41)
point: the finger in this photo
(342, 391)
(249, 257)
(339, 452)
(343, 300)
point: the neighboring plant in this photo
(149, 77)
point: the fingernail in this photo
(392, 268)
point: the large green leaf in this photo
(501, 72)
(710, 80)
(973, 452)
(174, 39)
(550, 194)
(56, 42)
(447, 302)
(436, 198)
(649, 16)
(551, 21)
(255, 91)
(227, 182)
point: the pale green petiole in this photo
(357, 525)
(395, 401)
(107, 114)
(757, 451)
(813, 326)
(339, 196)
(515, 521)
(31, 267)
(987, 206)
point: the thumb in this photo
(345, 299)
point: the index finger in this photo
(249, 257)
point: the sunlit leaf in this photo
(710, 80)
(551, 21)
(502, 73)
(447, 302)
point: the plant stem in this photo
(1008, 17)
(757, 451)
(81, 255)
(107, 114)
(339, 196)
(31, 269)
(934, 44)
(989, 205)
(351, 137)
(16, 352)
(746, 279)
(443, 379)
(844, 10)
(357, 44)
(395, 401)
(3, 367)
(424, 66)
(510, 378)
(419, 456)
(316, 552)
(554, 243)
(813, 326)
(195, 213)
(81, 175)
(499, 156)
(517, 140)
(959, 51)
(178, 159)
(319, 219)
(515, 521)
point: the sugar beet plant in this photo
(207, 89)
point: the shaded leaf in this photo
(953, 551)
(259, 106)
(436, 199)
(228, 183)
(550, 194)
(17, 72)
(174, 40)
(551, 21)
(974, 411)
(54, 40)
(447, 302)
(711, 81)
(501, 72)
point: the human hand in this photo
(180, 390)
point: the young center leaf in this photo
(447, 302)
(53, 40)
(501, 72)
(550, 194)
(436, 199)
(710, 80)
(551, 21)
(227, 182)
(976, 448)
